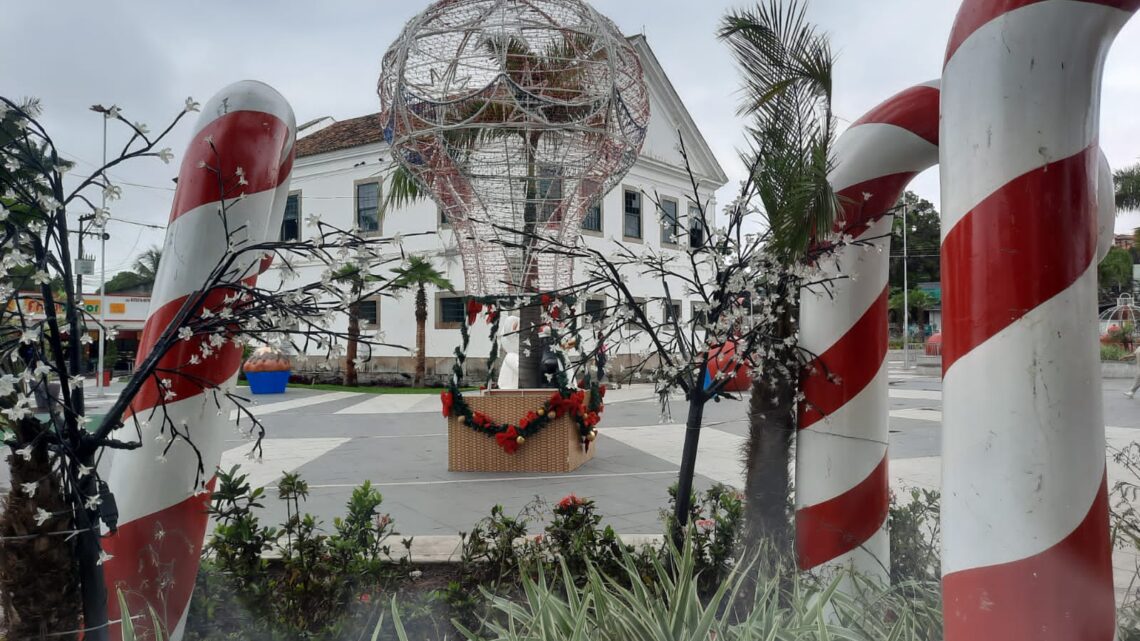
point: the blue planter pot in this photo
(268, 382)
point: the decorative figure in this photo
(162, 515)
(509, 347)
(842, 487)
(517, 117)
(1026, 550)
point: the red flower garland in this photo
(447, 399)
(508, 440)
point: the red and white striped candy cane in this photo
(842, 487)
(162, 518)
(1026, 551)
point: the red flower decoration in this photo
(508, 440)
(473, 309)
(569, 501)
(366, 598)
(555, 313)
(447, 399)
(528, 419)
(545, 300)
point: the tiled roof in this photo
(342, 135)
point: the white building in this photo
(339, 174)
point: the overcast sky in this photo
(325, 56)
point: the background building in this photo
(340, 175)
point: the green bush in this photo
(670, 607)
(915, 537)
(1112, 352)
(294, 581)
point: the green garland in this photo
(584, 405)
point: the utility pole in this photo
(906, 298)
(76, 315)
(103, 275)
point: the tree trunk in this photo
(421, 337)
(771, 429)
(39, 591)
(530, 347)
(350, 379)
(688, 465)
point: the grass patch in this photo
(366, 389)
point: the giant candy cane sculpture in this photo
(1025, 510)
(841, 479)
(842, 487)
(163, 519)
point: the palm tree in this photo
(418, 274)
(1127, 182)
(146, 265)
(356, 278)
(787, 67)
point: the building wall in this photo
(326, 185)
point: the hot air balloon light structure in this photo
(516, 116)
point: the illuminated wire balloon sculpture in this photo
(516, 116)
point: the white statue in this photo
(509, 348)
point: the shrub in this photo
(626, 607)
(1112, 352)
(915, 537)
(294, 581)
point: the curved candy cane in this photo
(1026, 551)
(156, 550)
(842, 487)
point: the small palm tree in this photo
(418, 274)
(356, 279)
(787, 68)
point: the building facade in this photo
(340, 175)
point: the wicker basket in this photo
(557, 448)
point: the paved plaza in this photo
(336, 440)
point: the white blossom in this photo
(92, 502)
(191, 104)
(42, 516)
(25, 452)
(112, 112)
(104, 557)
(29, 488)
(166, 155)
(76, 382)
(113, 192)
(143, 129)
(42, 369)
(30, 336)
(84, 470)
(7, 384)
(86, 339)
(185, 333)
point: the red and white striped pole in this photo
(1026, 553)
(156, 550)
(842, 487)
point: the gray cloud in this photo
(325, 57)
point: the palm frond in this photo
(1127, 182)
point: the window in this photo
(669, 225)
(595, 309)
(291, 222)
(672, 311)
(700, 315)
(632, 219)
(368, 206)
(696, 228)
(449, 312)
(368, 311)
(442, 218)
(593, 219)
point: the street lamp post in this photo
(906, 297)
(103, 267)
